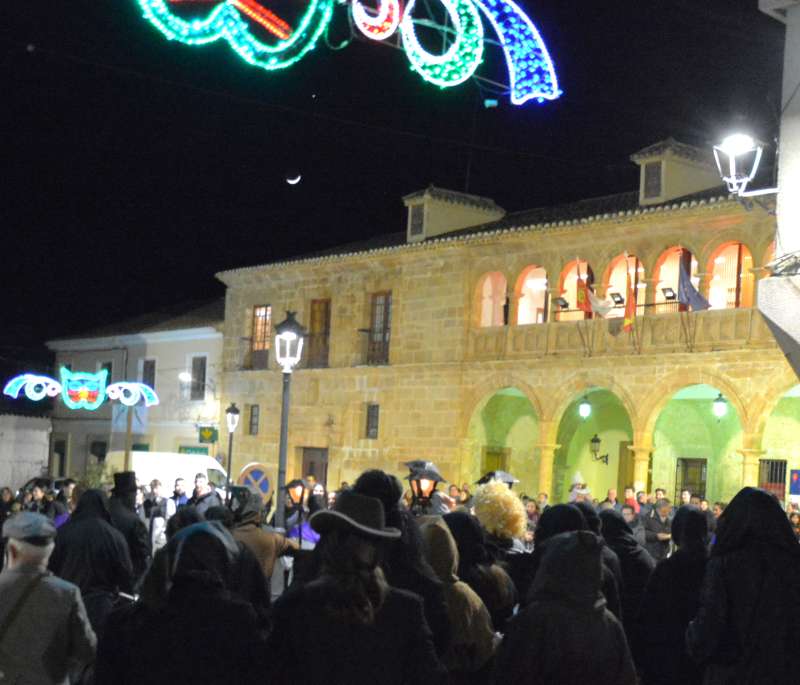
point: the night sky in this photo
(134, 168)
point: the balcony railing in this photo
(653, 333)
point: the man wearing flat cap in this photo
(45, 636)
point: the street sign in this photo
(207, 435)
(255, 476)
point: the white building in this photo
(24, 448)
(154, 349)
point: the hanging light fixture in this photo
(720, 406)
(585, 408)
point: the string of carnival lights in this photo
(532, 74)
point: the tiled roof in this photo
(455, 197)
(195, 314)
(691, 152)
(623, 205)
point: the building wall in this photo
(24, 446)
(166, 427)
(443, 368)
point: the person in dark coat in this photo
(564, 518)
(478, 570)
(93, 555)
(403, 559)
(609, 556)
(745, 630)
(657, 530)
(636, 565)
(204, 496)
(635, 523)
(671, 599)
(202, 635)
(356, 628)
(566, 635)
(122, 507)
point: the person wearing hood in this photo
(565, 518)
(566, 635)
(471, 633)
(93, 555)
(181, 641)
(609, 556)
(403, 561)
(122, 507)
(636, 565)
(266, 545)
(477, 568)
(672, 596)
(358, 628)
(745, 630)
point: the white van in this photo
(167, 467)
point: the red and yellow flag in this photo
(630, 304)
(582, 301)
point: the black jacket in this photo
(566, 636)
(745, 630)
(310, 647)
(653, 525)
(205, 502)
(135, 533)
(671, 599)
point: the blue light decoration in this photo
(80, 390)
(532, 75)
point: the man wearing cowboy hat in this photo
(122, 506)
(45, 634)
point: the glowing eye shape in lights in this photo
(80, 390)
(35, 387)
(461, 59)
(381, 26)
(130, 394)
(227, 21)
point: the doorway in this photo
(495, 459)
(691, 475)
(315, 463)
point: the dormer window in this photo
(652, 179)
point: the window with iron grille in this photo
(373, 418)
(197, 389)
(380, 328)
(652, 179)
(691, 475)
(772, 477)
(149, 372)
(417, 219)
(261, 336)
(255, 413)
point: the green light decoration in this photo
(461, 59)
(226, 22)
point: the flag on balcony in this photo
(600, 307)
(630, 305)
(582, 299)
(688, 294)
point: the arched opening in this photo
(531, 296)
(779, 470)
(568, 287)
(608, 419)
(503, 432)
(696, 439)
(617, 280)
(492, 300)
(667, 276)
(732, 279)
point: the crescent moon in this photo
(294, 181)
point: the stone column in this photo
(547, 454)
(641, 465)
(750, 459)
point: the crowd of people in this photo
(376, 583)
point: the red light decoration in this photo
(253, 10)
(380, 26)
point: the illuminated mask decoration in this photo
(262, 38)
(80, 390)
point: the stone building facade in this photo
(480, 365)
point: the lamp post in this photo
(232, 417)
(289, 336)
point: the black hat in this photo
(358, 513)
(424, 469)
(125, 481)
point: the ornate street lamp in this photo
(289, 335)
(594, 448)
(737, 158)
(585, 408)
(423, 477)
(232, 417)
(720, 406)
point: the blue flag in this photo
(688, 294)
